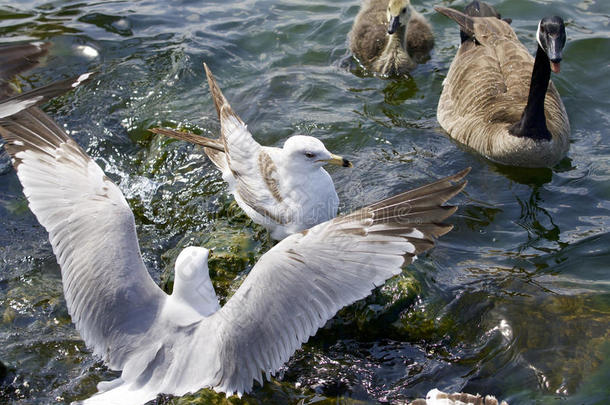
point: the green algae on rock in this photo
(375, 316)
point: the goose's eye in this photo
(310, 155)
(404, 10)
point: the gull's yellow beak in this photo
(338, 160)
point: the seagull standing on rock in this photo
(286, 190)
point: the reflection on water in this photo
(538, 223)
(515, 301)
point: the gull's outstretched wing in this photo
(255, 174)
(212, 147)
(18, 58)
(305, 279)
(111, 297)
(40, 95)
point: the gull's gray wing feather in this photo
(212, 147)
(16, 59)
(255, 175)
(304, 280)
(40, 95)
(111, 297)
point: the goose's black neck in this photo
(533, 122)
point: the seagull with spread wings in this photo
(179, 343)
(286, 189)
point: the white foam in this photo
(88, 51)
(81, 79)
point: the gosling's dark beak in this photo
(393, 26)
(339, 161)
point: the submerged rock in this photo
(376, 316)
(272, 393)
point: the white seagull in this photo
(179, 343)
(286, 190)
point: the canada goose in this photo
(286, 189)
(180, 343)
(498, 100)
(390, 37)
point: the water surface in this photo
(515, 301)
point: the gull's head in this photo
(192, 264)
(551, 37)
(192, 287)
(309, 152)
(399, 13)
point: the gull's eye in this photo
(404, 10)
(310, 155)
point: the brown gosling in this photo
(389, 37)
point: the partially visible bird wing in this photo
(40, 95)
(304, 280)
(479, 9)
(190, 137)
(481, 28)
(465, 22)
(212, 147)
(17, 59)
(111, 297)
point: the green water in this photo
(515, 301)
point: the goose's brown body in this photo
(485, 93)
